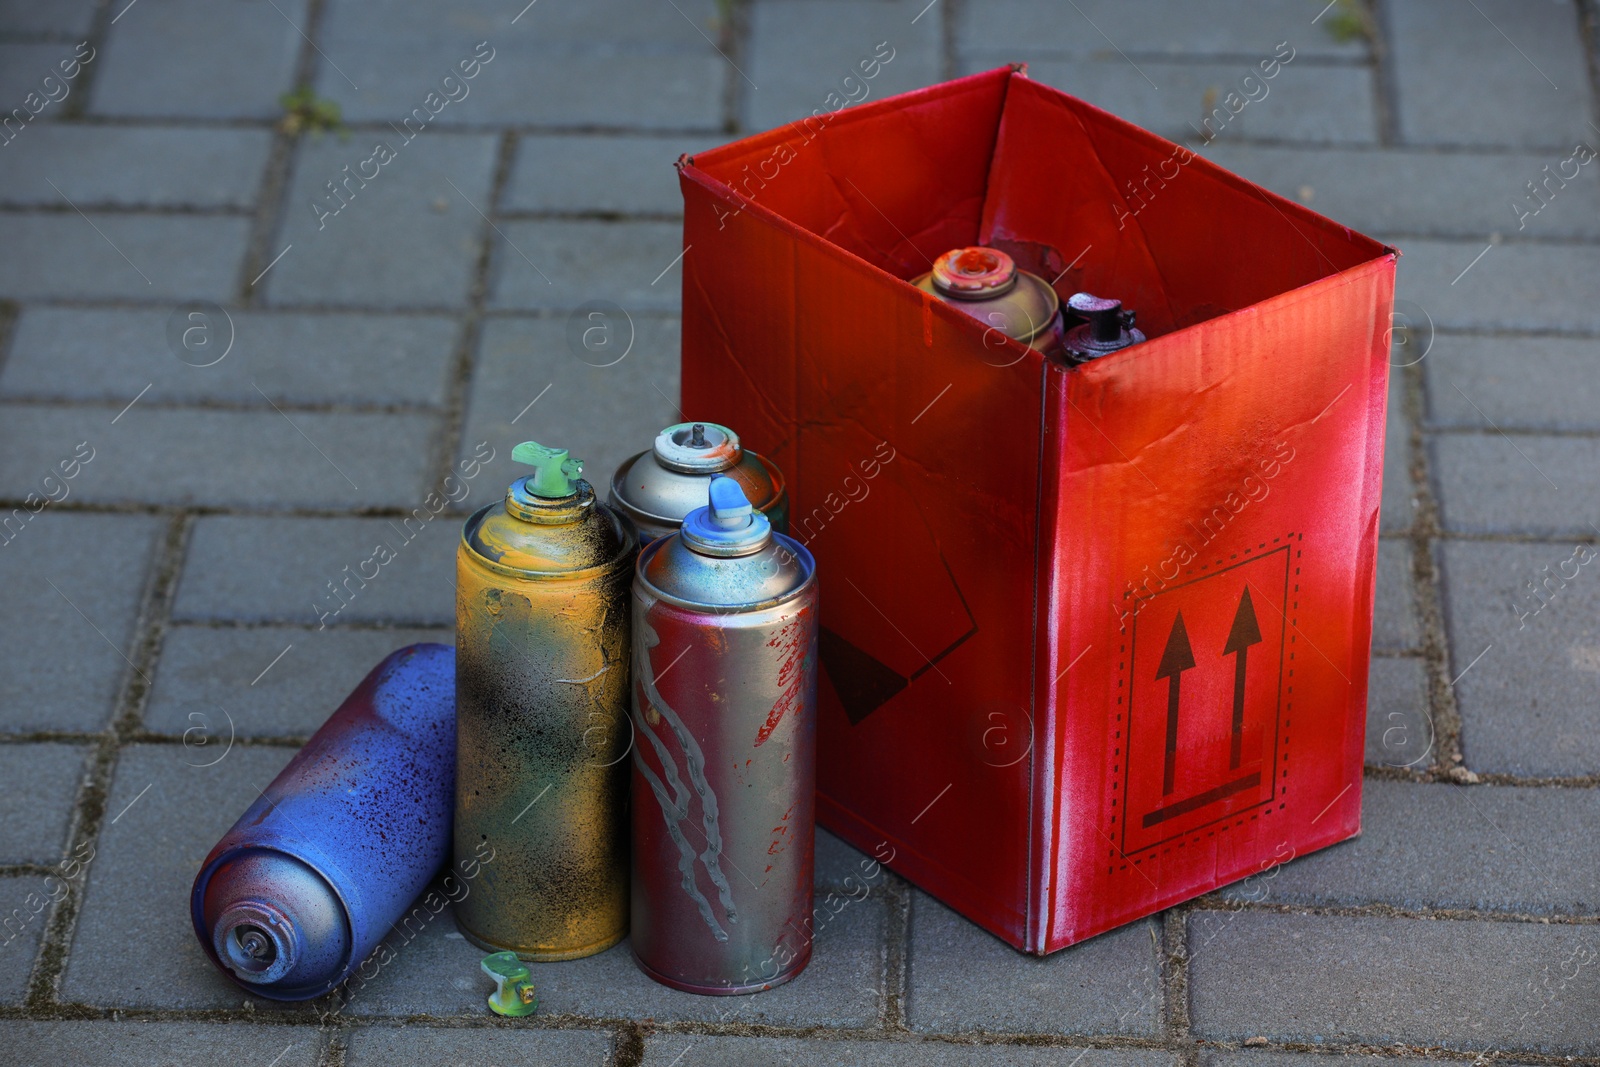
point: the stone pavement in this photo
(377, 339)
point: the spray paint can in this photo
(656, 489)
(312, 876)
(542, 724)
(1106, 328)
(987, 284)
(724, 757)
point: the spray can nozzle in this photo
(555, 474)
(729, 508)
(514, 994)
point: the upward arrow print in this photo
(1177, 658)
(1241, 636)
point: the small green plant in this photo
(303, 109)
(1349, 21)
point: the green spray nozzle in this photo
(514, 994)
(555, 474)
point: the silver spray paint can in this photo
(656, 489)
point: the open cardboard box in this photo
(1095, 638)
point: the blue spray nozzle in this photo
(728, 524)
(729, 509)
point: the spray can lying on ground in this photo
(725, 708)
(986, 284)
(542, 725)
(656, 489)
(312, 876)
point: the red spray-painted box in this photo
(1094, 638)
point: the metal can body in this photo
(723, 783)
(658, 487)
(987, 284)
(542, 692)
(312, 876)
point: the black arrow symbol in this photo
(1177, 658)
(1241, 636)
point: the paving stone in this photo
(199, 59)
(279, 569)
(637, 65)
(23, 68)
(1501, 848)
(103, 1043)
(1517, 383)
(1394, 617)
(136, 902)
(1149, 27)
(403, 238)
(1513, 287)
(964, 979)
(1526, 704)
(120, 166)
(1493, 483)
(109, 355)
(841, 865)
(228, 458)
(1304, 102)
(801, 53)
(207, 676)
(591, 173)
(42, 785)
(601, 414)
(25, 905)
(1399, 723)
(668, 1050)
(56, 672)
(413, 1045)
(437, 972)
(1332, 978)
(1429, 193)
(70, 17)
(1397, 508)
(563, 264)
(167, 257)
(1268, 1058)
(1493, 72)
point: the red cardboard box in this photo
(1095, 638)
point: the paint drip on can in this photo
(987, 284)
(724, 760)
(316, 871)
(656, 489)
(542, 725)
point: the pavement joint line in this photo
(101, 232)
(307, 437)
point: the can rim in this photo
(789, 544)
(629, 545)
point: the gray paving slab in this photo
(563, 264)
(801, 54)
(601, 414)
(1473, 285)
(26, 98)
(59, 669)
(25, 905)
(1400, 731)
(437, 972)
(1303, 102)
(1397, 508)
(122, 167)
(104, 1043)
(1516, 383)
(227, 458)
(271, 681)
(68, 17)
(1498, 483)
(1394, 616)
(1533, 655)
(41, 787)
(963, 979)
(512, 1045)
(132, 257)
(401, 228)
(281, 569)
(110, 354)
(669, 1050)
(1495, 848)
(580, 172)
(1493, 72)
(177, 58)
(1149, 27)
(642, 66)
(164, 814)
(1427, 192)
(1334, 978)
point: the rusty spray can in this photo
(542, 726)
(314, 874)
(987, 284)
(656, 489)
(724, 756)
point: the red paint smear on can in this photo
(792, 640)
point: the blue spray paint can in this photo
(312, 876)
